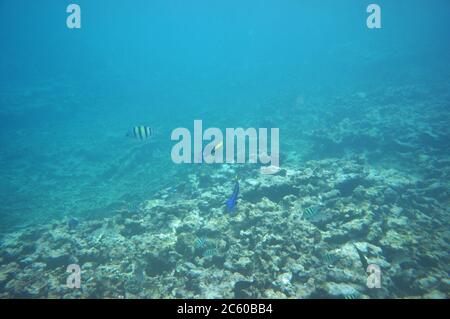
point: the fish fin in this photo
(230, 206)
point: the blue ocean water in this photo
(363, 116)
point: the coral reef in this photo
(371, 182)
(192, 248)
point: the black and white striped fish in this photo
(210, 252)
(142, 132)
(330, 259)
(310, 212)
(200, 243)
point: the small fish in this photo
(138, 272)
(217, 147)
(210, 252)
(200, 243)
(240, 289)
(176, 189)
(310, 212)
(331, 259)
(362, 258)
(141, 132)
(209, 158)
(232, 201)
(73, 223)
(351, 296)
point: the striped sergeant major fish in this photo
(141, 132)
(200, 243)
(330, 259)
(310, 212)
(210, 252)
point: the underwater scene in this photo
(225, 149)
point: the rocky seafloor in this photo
(294, 235)
(182, 244)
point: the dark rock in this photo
(347, 186)
(156, 265)
(241, 289)
(132, 228)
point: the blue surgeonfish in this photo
(232, 201)
(141, 132)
